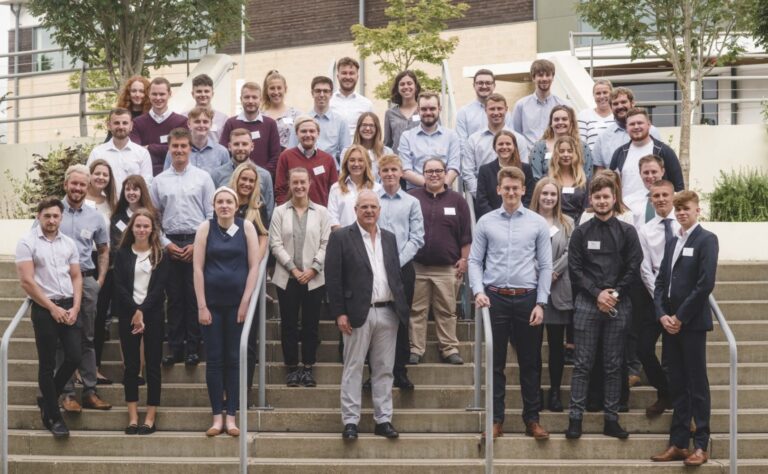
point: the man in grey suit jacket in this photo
(365, 291)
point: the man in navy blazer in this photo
(367, 299)
(681, 297)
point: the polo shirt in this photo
(52, 259)
(447, 226)
(86, 226)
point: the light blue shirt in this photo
(334, 134)
(207, 158)
(416, 146)
(87, 227)
(401, 215)
(515, 250)
(472, 118)
(223, 173)
(613, 137)
(183, 199)
(478, 150)
(530, 117)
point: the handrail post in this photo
(263, 346)
(486, 325)
(733, 395)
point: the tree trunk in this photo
(684, 154)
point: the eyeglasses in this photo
(484, 83)
(322, 91)
(435, 172)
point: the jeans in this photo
(222, 341)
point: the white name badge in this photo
(163, 138)
(569, 190)
(687, 251)
(449, 211)
(318, 170)
(547, 156)
(86, 234)
(415, 118)
(553, 230)
(593, 245)
(255, 135)
(120, 225)
(232, 230)
(288, 120)
(214, 128)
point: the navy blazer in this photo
(349, 276)
(124, 272)
(693, 279)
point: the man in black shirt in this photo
(604, 259)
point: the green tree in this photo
(411, 36)
(97, 101)
(124, 35)
(694, 36)
(759, 22)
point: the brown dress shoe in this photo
(634, 380)
(698, 458)
(94, 402)
(70, 405)
(498, 432)
(536, 430)
(673, 453)
(658, 408)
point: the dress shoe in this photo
(497, 431)
(103, 381)
(658, 408)
(553, 401)
(534, 429)
(146, 429)
(414, 359)
(454, 359)
(402, 382)
(132, 429)
(350, 431)
(673, 453)
(192, 360)
(698, 458)
(306, 379)
(574, 429)
(386, 430)
(93, 402)
(367, 384)
(633, 380)
(59, 429)
(70, 405)
(169, 360)
(612, 428)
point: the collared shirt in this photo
(638, 203)
(334, 134)
(223, 174)
(652, 241)
(682, 238)
(183, 199)
(341, 206)
(131, 159)
(447, 226)
(478, 151)
(51, 259)
(511, 251)
(208, 158)
(350, 107)
(86, 226)
(241, 116)
(530, 116)
(381, 292)
(472, 118)
(160, 118)
(613, 137)
(217, 125)
(417, 145)
(401, 215)
(374, 160)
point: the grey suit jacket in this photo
(561, 294)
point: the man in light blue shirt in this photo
(429, 140)
(206, 153)
(472, 117)
(510, 271)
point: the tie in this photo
(668, 235)
(650, 212)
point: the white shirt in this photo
(142, 272)
(381, 292)
(682, 238)
(637, 203)
(653, 241)
(341, 207)
(160, 118)
(131, 159)
(631, 181)
(51, 259)
(350, 107)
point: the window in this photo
(668, 115)
(41, 39)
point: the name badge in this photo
(569, 190)
(547, 156)
(163, 139)
(86, 234)
(415, 118)
(255, 135)
(554, 230)
(687, 251)
(232, 230)
(214, 127)
(120, 225)
(288, 120)
(593, 245)
(318, 170)
(449, 211)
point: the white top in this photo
(341, 207)
(132, 159)
(682, 238)
(142, 272)
(51, 259)
(637, 203)
(381, 292)
(591, 125)
(652, 241)
(160, 118)
(350, 107)
(631, 181)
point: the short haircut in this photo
(615, 93)
(496, 97)
(366, 192)
(663, 182)
(602, 82)
(198, 111)
(484, 72)
(50, 202)
(428, 95)
(601, 182)
(511, 172)
(239, 132)
(684, 197)
(202, 80)
(160, 80)
(638, 111)
(432, 160)
(390, 160)
(251, 86)
(320, 80)
(651, 159)
(78, 168)
(542, 66)
(304, 119)
(118, 111)
(347, 61)
(179, 133)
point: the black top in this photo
(226, 264)
(262, 213)
(123, 304)
(573, 204)
(487, 199)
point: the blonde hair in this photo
(557, 212)
(577, 163)
(368, 179)
(254, 200)
(273, 75)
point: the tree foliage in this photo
(694, 36)
(759, 22)
(124, 35)
(411, 36)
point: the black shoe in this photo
(169, 360)
(402, 382)
(307, 380)
(612, 428)
(574, 429)
(59, 429)
(132, 429)
(147, 430)
(103, 381)
(350, 431)
(553, 401)
(568, 356)
(367, 384)
(386, 430)
(293, 379)
(192, 360)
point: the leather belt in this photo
(510, 291)
(89, 273)
(181, 236)
(381, 304)
(63, 302)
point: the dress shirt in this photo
(530, 116)
(183, 199)
(160, 118)
(613, 137)
(395, 123)
(341, 206)
(381, 292)
(223, 174)
(401, 215)
(478, 150)
(472, 118)
(334, 135)
(604, 254)
(640, 204)
(591, 125)
(86, 226)
(51, 259)
(350, 107)
(653, 241)
(682, 238)
(217, 125)
(208, 158)
(131, 159)
(447, 226)
(417, 145)
(511, 251)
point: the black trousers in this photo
(102, 314)
(403, 345)
(649, 332)
(183, 327)
(293, 299)
(555, 336)
(689, 387)
(47, 334)
(153, 354)
(510, 317)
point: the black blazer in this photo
(693, 279)
(349, 276)
(123, 304)
(486, 197)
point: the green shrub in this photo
(740, 197)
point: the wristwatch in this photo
(542, 305)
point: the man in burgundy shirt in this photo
(264, 134)
(150, 130)
(321, 165)
(440, 264)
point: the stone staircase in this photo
(302, 433)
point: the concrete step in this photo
(741, 290)
(744, 310)
(126, 464)
(741, 271)
(10, 288)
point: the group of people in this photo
(574, 212)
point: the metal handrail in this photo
(4, 380)
(259, 295)
(483, 324)
(733, 362)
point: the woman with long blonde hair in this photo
(356, 174)
(567, 169)
(562, 123)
